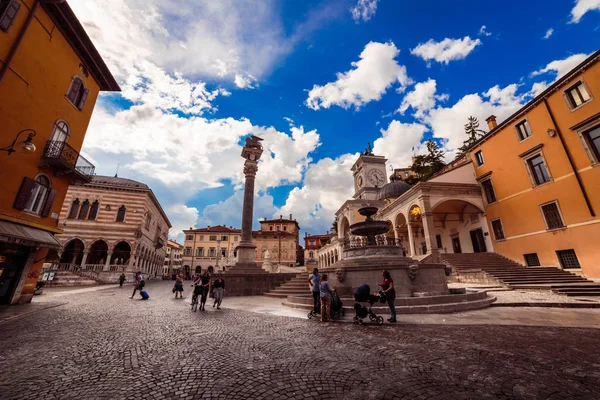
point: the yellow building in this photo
(50, 77)
(540, 175)
(214, 247)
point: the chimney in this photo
(290, 216)
(491, 121)
(280, 216)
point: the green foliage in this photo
(426, 165)
(473, 134)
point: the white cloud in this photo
(581, 8)
(483, 31)
(549, 33)
(245, 82)
(327, 185)
(229, 211)
(561, 67)
(537, 88)
(447, 50)
(397, 142)
(181, 217)
(447, 123)
(364, 10)
(370, 78)
(422, 98)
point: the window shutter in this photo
(49, 202)
(27, 187)
(84, 97)
(8, 16)
(74, 90)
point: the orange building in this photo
(540, 174)
(50, 77)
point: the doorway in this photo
(478, 241)
(456, 245)
(12, 261)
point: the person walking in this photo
(326, 294)
(387, 287)
(139, 283)
(315, 284)
(218, 290)
(122, 279)
(178, 287)
(205, 283)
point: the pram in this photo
(363, 294)
(337, 307)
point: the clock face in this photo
(376, 177)
(359, 181)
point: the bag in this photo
(173, 290)
(144, 295)
(141, 284)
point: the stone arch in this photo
(344, 228)
(73, 252)
(98, 252)
(121, 253)
(454, 200)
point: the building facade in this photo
(50, 77)
(540, 173)
(112, 225)
(173, 258)
(312, 243)
(214, 247)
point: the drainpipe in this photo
(570, 158)
(18, 40)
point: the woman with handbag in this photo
(219, 289)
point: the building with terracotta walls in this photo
(50, 77)
(540, 174)
(312, 243)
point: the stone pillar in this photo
(84, 258)
(411, 240)
(107, 263)
(246, 250)
(428, 226)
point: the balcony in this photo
(159, 242)
(65, 160)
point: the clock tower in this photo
(369, 176)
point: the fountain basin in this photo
(369, 228)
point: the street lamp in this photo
(26, 146)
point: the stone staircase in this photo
(70, 278)
(295, 286)
(516, 276)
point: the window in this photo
(285, 228)
(148, 221)
(211, 252)
(312, 243)
(224, 238)
(213, 238)
(189, 237)
(121, 214)
(438, 240)
(498, 229)
(538, 169)
(479, 158)
(552, 216)
(85, 208)
(592, 139)
(200, 252)
(74, 209)
(8, 13)
(311, 254)
(523, 130)
(187, 251)
(77, 93)
(568, 259)
(35, 196)
(235, 238)
(223, 252)
(60, 133)
(278, 228)
(94, 210)
(488, 190)
(201, 237)
(577, 94)
(532, 260)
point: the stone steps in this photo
(69, 278)
(296, 285)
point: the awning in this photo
(27, 236)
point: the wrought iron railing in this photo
(59, 150)
(363, 242)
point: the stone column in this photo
(246, 250)
(428, 226)
(411, 240)
(107, 263)
(84, 258)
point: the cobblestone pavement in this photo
(102, 345)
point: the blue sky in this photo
(317, 80)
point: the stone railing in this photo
(65, 267)
(93, 267)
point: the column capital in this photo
(250, 168)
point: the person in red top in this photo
(387, 287)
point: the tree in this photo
(473, 134)
(426, 165)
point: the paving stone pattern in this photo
(102, 345)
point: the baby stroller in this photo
(337, 307)
(363, 294)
